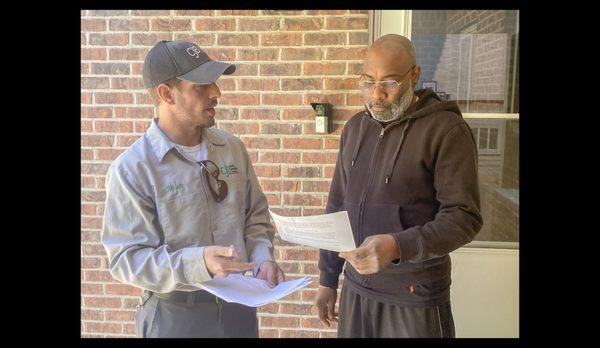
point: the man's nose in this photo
(215, 92)
(378, 92)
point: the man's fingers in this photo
(330, 314)
(323, 315)
(361, 252)
(271, 275)
(234, 266)
(354, 255)
(346, 254)
(280, 276)
(331, 309)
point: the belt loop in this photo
(190, 298)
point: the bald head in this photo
(391, 56)
(394, 46)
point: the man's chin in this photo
(209, 122)
(386, 119)
(383, 117)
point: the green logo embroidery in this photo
(176, 187)
(227, 170)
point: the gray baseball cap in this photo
(184, 60)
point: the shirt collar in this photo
(161, 144)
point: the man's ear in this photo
(164, 92)
(416, 73)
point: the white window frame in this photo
(382, 22)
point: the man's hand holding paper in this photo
(270, 272)
(374, 254)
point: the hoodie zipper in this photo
(365, 193)
(370, 182)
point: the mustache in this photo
(379, 104)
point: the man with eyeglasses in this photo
(406, 174)
(183, 204)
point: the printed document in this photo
(326, 231)
(251, 291)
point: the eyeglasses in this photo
(388, 86)
(211, 173)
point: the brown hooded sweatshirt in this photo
(415, 179)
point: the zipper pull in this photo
(412, 289)
(381, 134)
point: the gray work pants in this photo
(158, 317)
(363, 317)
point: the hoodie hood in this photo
(428, 103)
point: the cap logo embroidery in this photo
(193, 51)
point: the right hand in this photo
(325, 301)
(221, 261)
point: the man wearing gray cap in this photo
(183, 204)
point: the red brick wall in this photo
(285, 60)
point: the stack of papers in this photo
(251, 291)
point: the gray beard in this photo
(398, 108)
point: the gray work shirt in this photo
(160, 215)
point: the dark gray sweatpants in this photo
(160, 318)
(363, 317)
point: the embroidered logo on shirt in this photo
(227, 170)
(175, 187)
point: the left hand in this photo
(374, 254)
(270, 272)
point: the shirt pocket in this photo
(185, 219)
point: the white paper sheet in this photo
(251, 291)
(326, 231)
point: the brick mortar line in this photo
(221, 47)
(276, 92)
(246, 77)
(98, 147)
(262, 92)
(278, 315)
(251, 107)
(221, 32)
(229, 15)
(283, 136)
(108, 133)
(236, 46)
(105, 321)
(109, 296)
(232, 61)
(251, 17)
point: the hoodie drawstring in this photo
(390, 167)
(361, 132)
